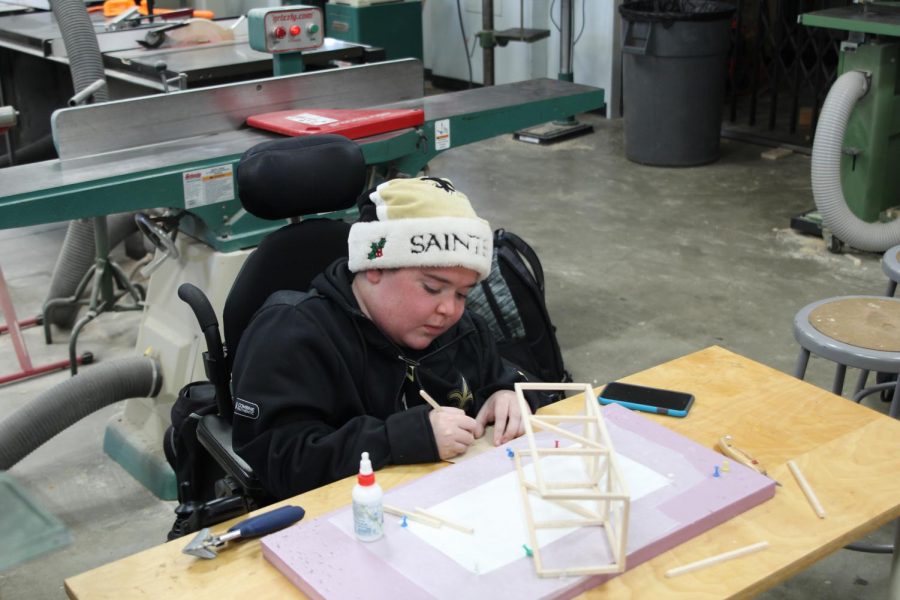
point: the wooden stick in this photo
(529, 517)
(445, 521)
(429, 400)
(412, 516)
(718, 558)
(804, 485)
(567, 523)
(573, 451)
(564, 433)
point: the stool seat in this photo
(890, 264)
(857, 331)
(862, 332)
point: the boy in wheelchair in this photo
(321, 376)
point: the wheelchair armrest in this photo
(214, 434)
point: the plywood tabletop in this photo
(849, 454)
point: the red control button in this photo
(295, 31)
(280, 32)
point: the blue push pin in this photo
(510, 453)
(403, 524)
(716, 471)
(528, 551)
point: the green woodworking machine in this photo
(856, 151)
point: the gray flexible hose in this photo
(67, 403)
(826, 171)
(86, 65)
(76, 257)
(82, 47)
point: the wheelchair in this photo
(277, 180)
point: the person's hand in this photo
(502, 409)
(454, 431)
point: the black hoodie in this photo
(316, 383)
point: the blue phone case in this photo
(643, 407)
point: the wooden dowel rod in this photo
(566, 434)
(575, 451)
(804, 485)
(565, 485)
(445, 521)
(561, 523)
(529, 518)
(718, 558)
(578, 571)
(412, 516)
(577, 509)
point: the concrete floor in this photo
(643, 265)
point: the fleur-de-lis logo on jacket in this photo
(463, 395)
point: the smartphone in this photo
(654, 400)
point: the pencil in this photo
(718, 558)
(429, 400)
(804, 485)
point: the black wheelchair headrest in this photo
(301, 176)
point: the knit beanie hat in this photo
(422, 222)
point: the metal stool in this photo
(890, 264)
(852, 331)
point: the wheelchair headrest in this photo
(301, 176)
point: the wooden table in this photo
(849, 454)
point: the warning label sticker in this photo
(442, 134)
(208, 186)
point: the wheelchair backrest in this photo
(283, 179)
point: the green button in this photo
(313, 28)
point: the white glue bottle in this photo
(368, 516)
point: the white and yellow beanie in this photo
(422, 222)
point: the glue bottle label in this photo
(368, 521)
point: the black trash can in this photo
(674, 69)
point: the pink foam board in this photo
(326, 561)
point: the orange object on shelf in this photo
(113, 8)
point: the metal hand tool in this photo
(206, 545)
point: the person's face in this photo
(413, 306)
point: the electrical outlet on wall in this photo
(474, 6)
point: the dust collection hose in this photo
(82, 47)
(86, 65)
(67, 403)
(826, 170)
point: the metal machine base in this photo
(140, 455)
(809, 222)
(549, 133)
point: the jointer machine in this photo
(175, 154)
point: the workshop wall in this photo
(593, 54)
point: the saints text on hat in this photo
(449, 242)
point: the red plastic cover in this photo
(355, 123)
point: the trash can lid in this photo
(675, 10)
